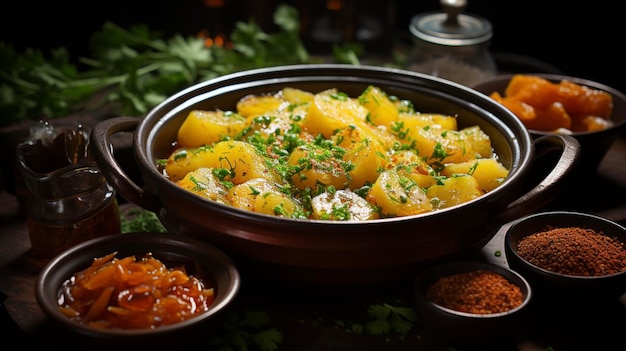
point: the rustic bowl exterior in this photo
(549, 284)
(199, 258)
(594, 145)
(332, 252)
(460, 327)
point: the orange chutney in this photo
(126, 293)
(564, 106)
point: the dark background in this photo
(583, 39)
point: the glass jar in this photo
(69, 199)
(452, 45)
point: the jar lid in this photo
(451, 27)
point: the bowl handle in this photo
(102, 148)
(553, 183)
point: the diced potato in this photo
(185, 160)
(408, 164)
(342, 205)
(443, 146)
(408, 161)
(348, 137)
(331, 110)
(408, 124)
(378, 134)
(244, 195)
(207, 127)
(422, 180)
(488, 172)
(274, 123)
(398, 196)
(241, 159)
(263, 196)
(254, 105)
(481, 143)
(203, 182)
(296, 96)
(317, 167)
(382, 112)
(368, 160)
(276, 204)
(453, 191)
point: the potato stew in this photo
(330, 156)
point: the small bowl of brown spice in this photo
(569, 254)
(469, 301)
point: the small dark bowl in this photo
(200, 259)
(594, 145)
(562, 287)
(461, 327)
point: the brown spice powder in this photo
(574, 251)
(478, 292)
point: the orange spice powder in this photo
(478, 292)
(574, 251)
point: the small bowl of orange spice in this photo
(136, 288)
(470, 301)
(569, 256)
(592, 112)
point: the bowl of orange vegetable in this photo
(592, 112)
(136, 289)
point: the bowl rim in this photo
(505, 77)
(510, 250)
(80, 256)
(430, 274)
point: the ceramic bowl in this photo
(199, 259)
(468, 327)
(549, 284)
(594, 145)
(333, 254)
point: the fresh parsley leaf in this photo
(268, 340)
(388, 318)
(140, 220)
(252, 331)
(136, 68)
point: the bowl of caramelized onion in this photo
(136, 287)
(592, 112)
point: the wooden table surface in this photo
(322, 322)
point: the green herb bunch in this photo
(136, 68)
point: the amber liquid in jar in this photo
(48, 239)
(69, 199)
